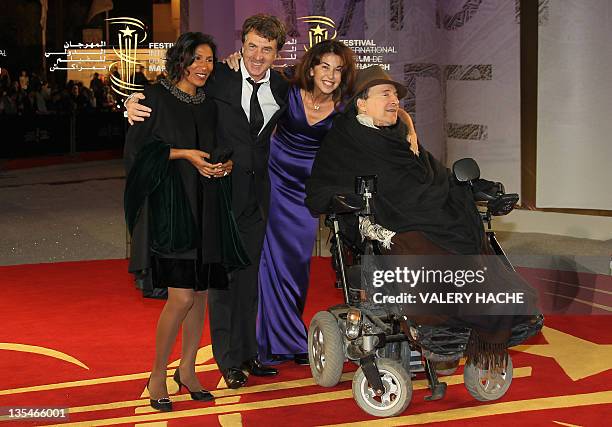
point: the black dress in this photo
(178, 120)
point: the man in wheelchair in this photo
(417, 207)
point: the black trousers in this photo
(233, 311)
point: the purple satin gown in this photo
(291, 231)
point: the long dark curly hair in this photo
(180, 56)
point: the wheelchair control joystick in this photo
(365, 186)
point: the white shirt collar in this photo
(246, 75)
(366, 121)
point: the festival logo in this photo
(320, 28)
(123, 71)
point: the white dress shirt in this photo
(264, 95)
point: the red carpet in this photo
(78, 335)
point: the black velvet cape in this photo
(171, 210)
(414, 193)
(155, 179)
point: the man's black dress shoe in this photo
(202, 395)
(301, 359)
(234, 377)
(255, 367)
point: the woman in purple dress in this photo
(323, 78)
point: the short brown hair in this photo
(313, 57)
(267, 26)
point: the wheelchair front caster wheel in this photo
(485, 385)
(397, 395)
(325, 349)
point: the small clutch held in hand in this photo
(221, 155)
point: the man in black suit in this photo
(249, 104)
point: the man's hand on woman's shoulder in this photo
(233, 61)
(136, 112)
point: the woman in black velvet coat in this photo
(171, 204)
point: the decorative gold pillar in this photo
(176, 6)
(184, 14)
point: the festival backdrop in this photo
(459, 59)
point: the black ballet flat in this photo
(164, 404)
(202, 395)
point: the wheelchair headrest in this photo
(466, 170)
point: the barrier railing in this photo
(47, 134)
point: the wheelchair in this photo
(391, 349)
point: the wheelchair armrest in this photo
(503, 204)
(481, 196)
(347, 203)
(485, 191)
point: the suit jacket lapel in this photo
(235, 95)
(228, 89)
(279, 90)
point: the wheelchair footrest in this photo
(438, 392)
(438, 389)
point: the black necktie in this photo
(256, 119)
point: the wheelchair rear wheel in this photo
(325, 349)
(484, 385)
(398, 390)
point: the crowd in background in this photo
(30, 94)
